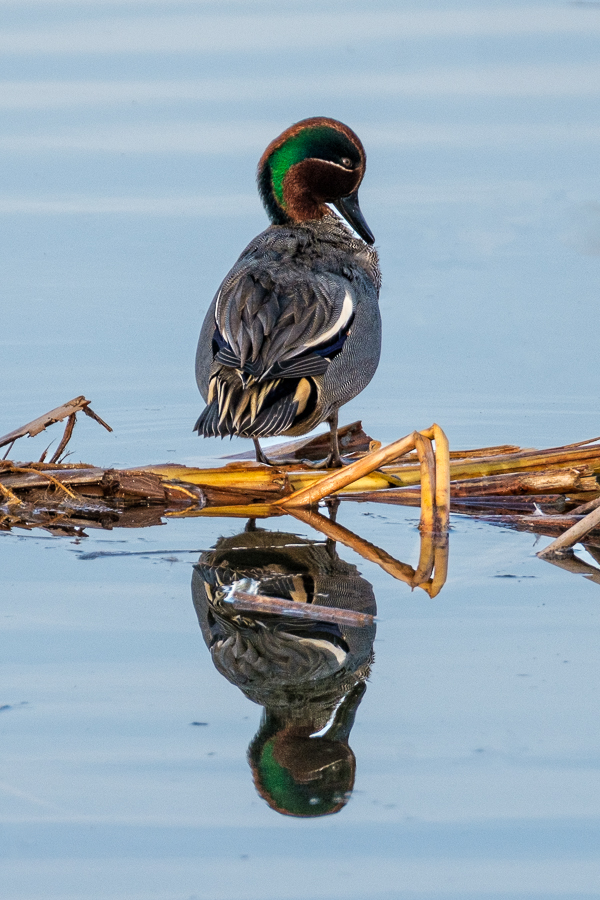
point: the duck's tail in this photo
(260, 409)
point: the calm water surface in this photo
(130, 136)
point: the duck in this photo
(294, 331)
(309, 677)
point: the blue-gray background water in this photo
(129, 140)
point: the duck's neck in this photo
(292, 177)
(289, 195)
(275, 211)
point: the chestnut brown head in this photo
(313, 163)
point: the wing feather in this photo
(276, 317)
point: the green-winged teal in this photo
(309, 676)
(294, 331)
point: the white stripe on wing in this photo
(343, 319)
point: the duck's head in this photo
(313, 163)
(300, 773)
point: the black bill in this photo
(350, 210)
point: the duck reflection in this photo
(308, 675)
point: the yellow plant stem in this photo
(342, 478)
(375, 481)
(27, 470)
(11, 499)
(427, 461)
(460, 469)
(244, 476)
(442, 477)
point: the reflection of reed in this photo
(246, 601)
(433, 557)
(308, 675)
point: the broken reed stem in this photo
(585, 508)
(442, 477)
(49, 418)
(43, 474)
(427, 461)
(90, 412)
(442, 483)
(577, 444)
(553, 481)
(11, 499)
(435, 496)
(242, 601)
(511, 463)
(42, 458)
(65, 438)
(10, 446)
(343, 477)
(572, 535)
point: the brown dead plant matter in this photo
(553, 491)
(67, 411)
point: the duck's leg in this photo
(334, 460)
(260, 456)
(332, 504)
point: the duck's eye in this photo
(346, 162)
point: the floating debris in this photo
(554, 491)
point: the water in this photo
(130, 137)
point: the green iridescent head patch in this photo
(293, 796)
(319, 142)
